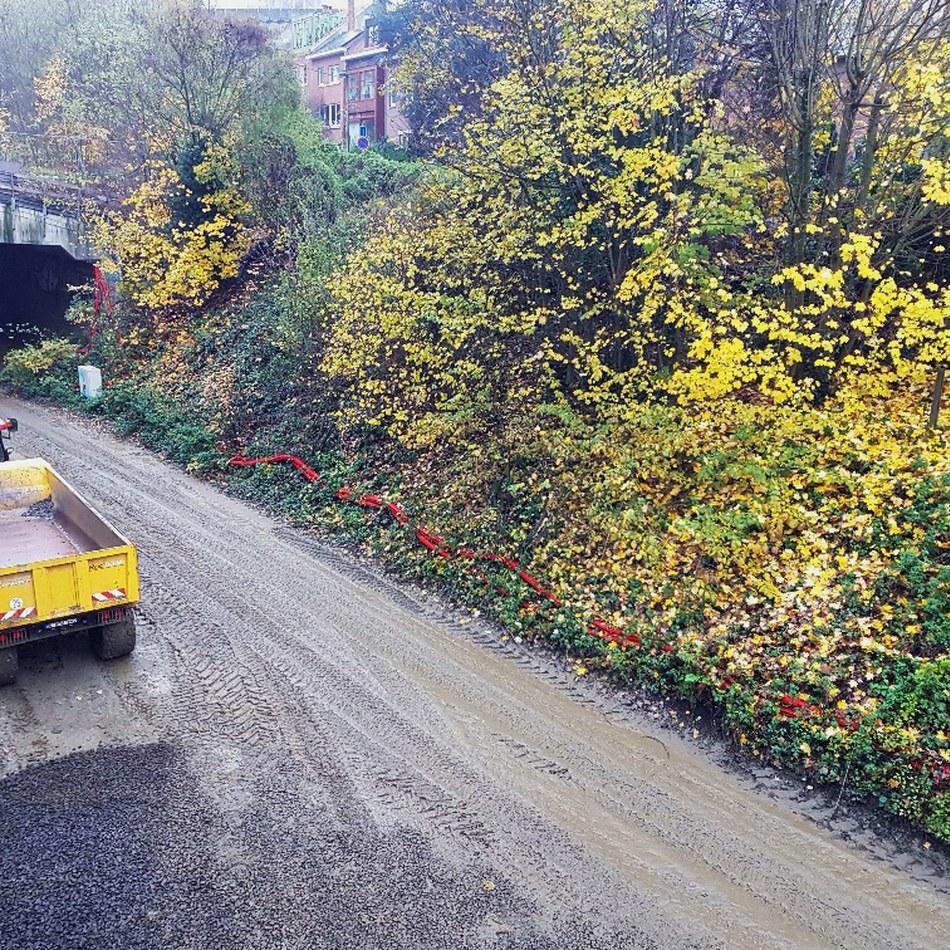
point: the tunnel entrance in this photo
(35, 282)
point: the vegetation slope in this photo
(658, 312)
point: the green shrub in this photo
(133, 408)
(45, 370)
(23, 366)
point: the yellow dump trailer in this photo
(63, 568)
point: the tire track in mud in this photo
(304, 671)
(536, 759)
(214, 664)
(275, 645)
(451, 814)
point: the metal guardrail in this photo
(43, 193)
(54, 194)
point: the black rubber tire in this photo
(113, 640)
(9, 663)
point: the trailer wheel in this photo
(113, 640)
(8, 666)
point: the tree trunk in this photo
(938, 394)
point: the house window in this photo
(368, 84)
(302, 73)
(393, 98)
(321, 76)
(352, 88)
(334, 75)
(330, 115)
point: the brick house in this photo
(344, 81)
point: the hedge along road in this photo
(299, 754)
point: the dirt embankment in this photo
(300, 754)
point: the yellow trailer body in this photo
(63, 567)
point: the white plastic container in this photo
(90, 381)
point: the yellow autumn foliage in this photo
(166, 262)
(601, 240)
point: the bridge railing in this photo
(52, 193)
(49, 190)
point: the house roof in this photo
(369, 51)
(334, 42)
(340, 38)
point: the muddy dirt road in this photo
(299, 754)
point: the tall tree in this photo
(29, 31)
(202, 72)
(577, 248)
(445, 58)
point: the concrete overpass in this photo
(44, 212)
(45, 252)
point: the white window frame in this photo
(370, 87)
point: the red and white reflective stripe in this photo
(17, 614)
(116, 594)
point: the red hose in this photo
(596, 628)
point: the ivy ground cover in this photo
(791, 564)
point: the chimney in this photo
(350, 15)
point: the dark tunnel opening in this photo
(36, 285)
